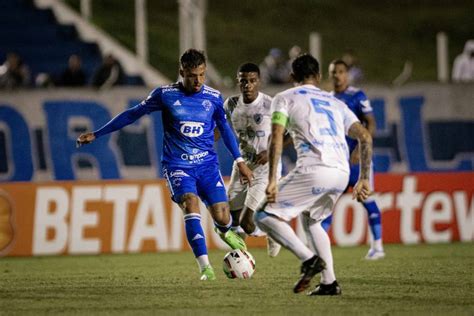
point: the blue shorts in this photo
(204, 181)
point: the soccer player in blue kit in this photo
(357, 101)
(190, 111)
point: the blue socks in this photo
(373, 213)
(327, 223)
(195, 234)
(224, 229)
(374, 216)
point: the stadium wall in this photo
(92, 217)
(56, 199)
(420, 128)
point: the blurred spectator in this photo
(110, 73)
(274, 68)
(73, 75)
(356, 75)
(14, 73)
(463, 67)
(294, 52)
(44, 80)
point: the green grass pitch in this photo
(422, 279)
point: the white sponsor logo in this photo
(213, 93)
(191, 129)
(177, 103)
(169, 89)
(219, 184)
(197, 236)
(178, 173)
(196, 157)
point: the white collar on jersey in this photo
(311, 86)
(254, 102)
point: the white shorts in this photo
(308, 188)
(241, 195)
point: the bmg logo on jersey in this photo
(191, 129)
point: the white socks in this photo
(319, 242)
(281, 232)
(377, 245)
(203, 261)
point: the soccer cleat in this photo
(326, 289)
(207, 274)
(374, 254)
(309, 269)
(273, 248)
(232, 239)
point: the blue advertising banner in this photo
(420, 128)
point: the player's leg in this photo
(236, 193)
(182, 186)
(222, 222)
(330, 183)
(280, 231)
(326, 224)
(374, 217)
(195, 234)
(353, 177)
(255, 195)
(212, 191)
(295, 195)
(319, 242)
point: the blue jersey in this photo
(358, 103)
(189, 120)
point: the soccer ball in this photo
(239, 264)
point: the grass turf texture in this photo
(423, 279)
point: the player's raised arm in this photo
(125, 118)
(362, 187)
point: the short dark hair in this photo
(192, 58)
(249, 67)
(339, 62)
(304, 66)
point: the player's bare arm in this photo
(362, 188)
(246, 175)
(369, 123)
(217, 135)
(368, 120)
(274, 153)
(85, 138)
(262, 158)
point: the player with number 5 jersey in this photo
(317, 123)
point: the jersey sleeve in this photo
(228, 110)
(127, 117)
(279, 110)
(154, 101)
(227, 134)
(363, 103)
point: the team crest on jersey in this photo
(207, 105)
(258, 118)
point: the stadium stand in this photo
(44, 44)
